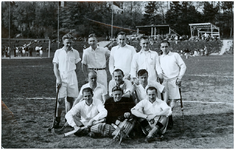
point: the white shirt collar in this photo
(69, 50)
(167, 54)
(142, 51)
(121, 47)
(94, 49)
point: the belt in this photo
(97, 68)
(170, 79)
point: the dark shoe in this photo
(170, 123)
(91, 134)
(56, 124)
(149, 139)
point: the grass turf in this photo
(206, 125)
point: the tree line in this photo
(40, 19)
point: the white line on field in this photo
(50, 98)
(40, 98)
(208, 75)
(208, 102)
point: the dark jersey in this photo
(116, 110)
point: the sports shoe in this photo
(91, 134)
(170, 123)
(149, 139)
(56, 124)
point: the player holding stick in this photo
(86, 114)
(173, 69)
(65, 61)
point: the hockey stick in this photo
(57, 94)
(76, 130)
(68, 133)
(181, 105)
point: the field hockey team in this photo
(137, 101)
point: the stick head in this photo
(56, 134)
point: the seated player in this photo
(124, 84)
(155, 113)
(118, 107)
(86, 113)
(98, 89)
(119, 115)
(142, 83)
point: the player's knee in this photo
(60, 102)
(70, 99)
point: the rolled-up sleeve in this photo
(102, 112)
(166, 109)
(181, 65)
(157, 85)
(78, 58)
(129, 86)
(55, 59)
(137, 110)
(134, 66)
(111, 62)
(71, 113)
(140, 92)
(84, 57)
(158, 67)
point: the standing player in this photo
(121, 56)
(145, 59)
(95, 58)
(173, 69)
(65, 61)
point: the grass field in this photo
(208, 107)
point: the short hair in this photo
(88, 89)
(142, 72)
(144, 37)
(165, 41)
(67, 36)
(151, 88)
(118, 70)
(121, 33)
(92, 71)
(92, 35)
(117, 88)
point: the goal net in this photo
(26, 47)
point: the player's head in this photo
(92, 40)
(151, 93)
(143, 76)
(118, 76)
(92, 76)
(87, 94)
(67, 41)
(67, 36)
(121, 38)
(144, 43)
(165, 46)
(117, 93)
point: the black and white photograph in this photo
(117, 74)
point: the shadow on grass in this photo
(201, 126)
(30, 129)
